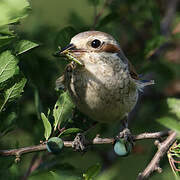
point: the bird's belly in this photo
(103, 98)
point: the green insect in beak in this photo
(68, 52)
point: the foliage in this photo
(31, 110)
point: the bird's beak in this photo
(64, 50)
(71, 52)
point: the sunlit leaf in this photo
(13, 92)
(70, 131)
(92, 172)
(13, 10)
(174, 105)
(63, 109)
(24, 46)
(170, 123)
(8, 65)
(47, 126)
(4, 40)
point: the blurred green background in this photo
(138, 26)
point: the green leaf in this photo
(4, 30)
(4, 40)
(70, 131)
(47, 126)
(63, 109)
(24, 46)
(92, 172)
(107, 19)
(13, 10)
(13, 92)
(64, 36)
(8, 65)
(174, 105)
(170, 123)
(94, 2)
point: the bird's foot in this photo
(126, 135)
(79, 143)
(123, 143)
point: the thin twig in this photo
(35, 162)
(97, 140)
(98, 15)
(154, 164)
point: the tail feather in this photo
(142, 83)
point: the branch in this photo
(154, 164)
(97, 16)
(97, 140)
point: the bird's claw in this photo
(79, 143)
(126, 135)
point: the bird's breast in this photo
(104, 91)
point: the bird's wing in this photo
(132, 70)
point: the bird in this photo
(101, 81)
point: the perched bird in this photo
(100, 80)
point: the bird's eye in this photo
(95, 43)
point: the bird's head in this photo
(90, 42)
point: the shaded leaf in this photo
(24, 46)
(64, 36)
(63, 109)
(170, 122)
(94, 2)
(47, 126)
(13, 92)
(8, 65)
(70, 131)
(107, 19)
(174, 105)
(92, 172)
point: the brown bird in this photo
(100, 80)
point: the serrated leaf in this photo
(47, 126)
(13, 92)
(24, 46)
(8, 65)
(170, 123)
(174, 105)
(70, 131)
(92, 172)
(63, 109)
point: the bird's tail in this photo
(142, 83)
